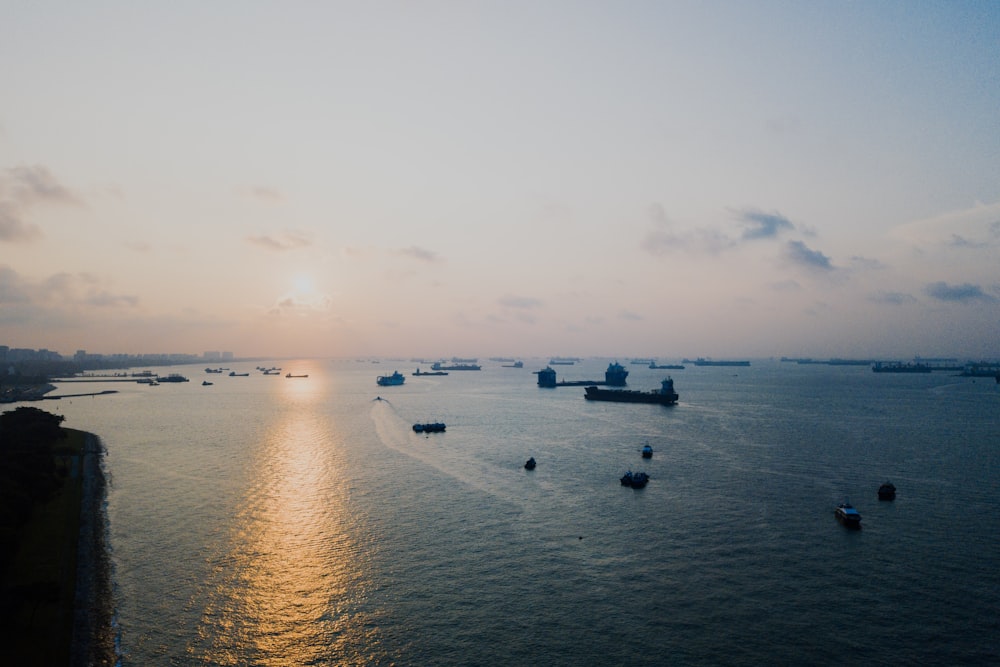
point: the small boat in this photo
(887, 491)
(847, 515)
(234, 374)
(636, 480)
(289, 375)
(431, 427)
(393, 380)
(206, 383)
(647, 452)
(530, 464)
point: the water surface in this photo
(273, 521)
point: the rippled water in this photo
(275, 521)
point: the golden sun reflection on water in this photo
(290, 587)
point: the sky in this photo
(574, 178)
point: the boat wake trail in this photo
(442, 454)
(392, 430)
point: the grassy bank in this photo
(39, 586)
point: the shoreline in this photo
(93, 640)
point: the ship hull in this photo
(623, 396)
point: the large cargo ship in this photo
(615, 376)
(900, 367)
(438, 366)
(702, 361)
(665, 395)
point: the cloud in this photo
(760, 225)
(975, 227)
(663, 239)
(867, 263)
(104, 299)
(21, 189)
(302, 301)
(139, 246)
(289, 240)
(358, 252)
(264, 193)
(965, 292)
(421, 254)
(11, 288)
(13, 228)
(958, 241)
(786, 286)
(801, 254)
(521, 302)
(892, 298)
(32, 185)
(59, 300)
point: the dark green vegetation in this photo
(41, 489)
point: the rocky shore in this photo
(93, 642)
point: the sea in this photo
(266, 520)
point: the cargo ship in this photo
(900, 367)
(436, 366)
(702, 361)
(665, 395)
(615, 376)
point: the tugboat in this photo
(432, 427)
(887, 491)
(530, 464)
(636, 480)
(647, 452)
(847, 515)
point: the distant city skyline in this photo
(9, 354)
(427, 180)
